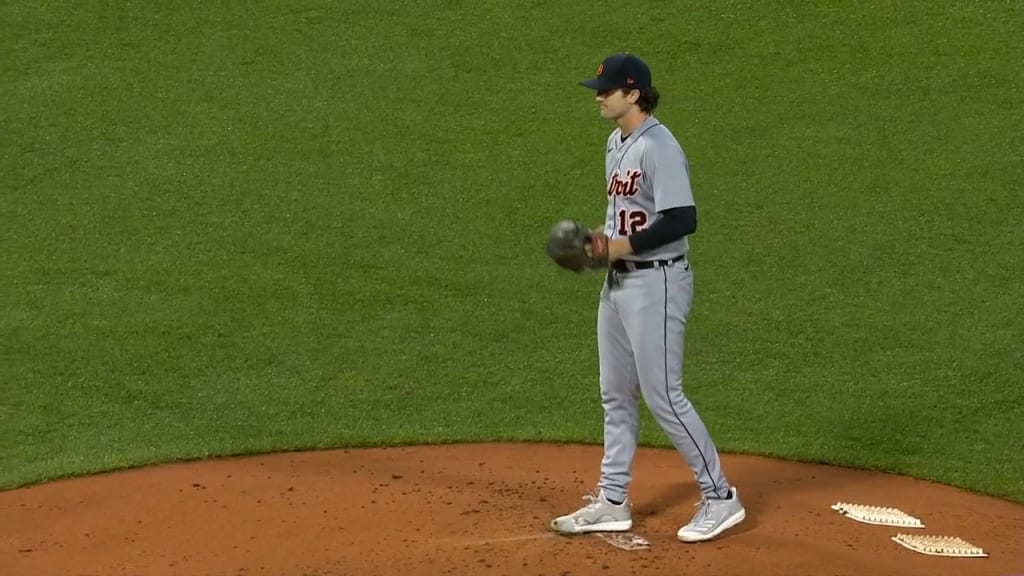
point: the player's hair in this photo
(648, 100)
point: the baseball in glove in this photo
(573, 247)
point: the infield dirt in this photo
(478, 509)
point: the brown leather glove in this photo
(574, 247)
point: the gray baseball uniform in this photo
(643, 312)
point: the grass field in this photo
(241, 227)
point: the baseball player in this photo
(644, 306)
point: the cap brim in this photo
(598, 84)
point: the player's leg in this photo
(658, 306)
(609, 510)
(656, 324)
(620, 386)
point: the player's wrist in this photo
(619, 247)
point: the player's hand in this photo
(597, 248)
(601, 247)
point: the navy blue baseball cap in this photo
(622, 70)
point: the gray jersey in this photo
(646, 174)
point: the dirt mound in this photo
(477, 509)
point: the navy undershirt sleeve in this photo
(673, 224)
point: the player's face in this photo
(614, 103)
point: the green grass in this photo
(237, 229)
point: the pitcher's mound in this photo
(479, 510)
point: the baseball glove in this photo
(574, 247)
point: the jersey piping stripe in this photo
(668, 395)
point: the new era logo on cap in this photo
(622, 70)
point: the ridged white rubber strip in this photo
(939, 546)
(877, 515)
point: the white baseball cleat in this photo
(714, 516)
(598, 516)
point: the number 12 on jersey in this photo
(631, 221)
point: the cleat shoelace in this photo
(594, 500)
(703, 514)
